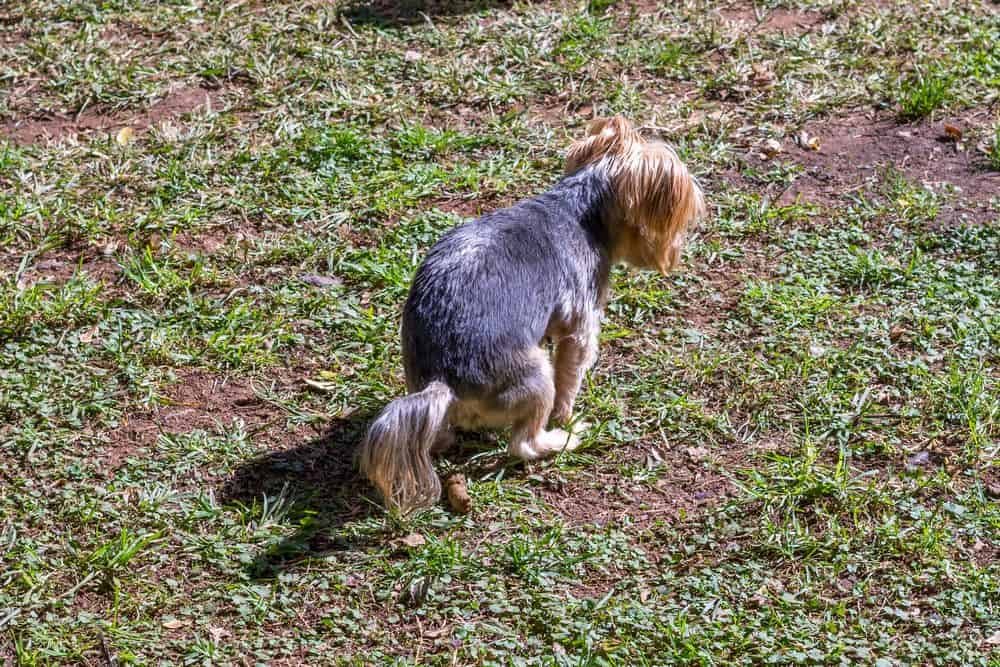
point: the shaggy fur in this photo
(492, 291)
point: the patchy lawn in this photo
(209, 216)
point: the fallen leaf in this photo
(89, 335)
(413, 540)
(993, 639)
(807, 141)
(320, 385)
(176, 623)
(412, 56)
(762, 74)
(438, 632)
(896, 333)
(953, 131)
(125, 136)
(457, 490)
(771, 147)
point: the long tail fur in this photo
(396, 453)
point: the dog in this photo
(493, 291)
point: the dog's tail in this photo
(396, 453)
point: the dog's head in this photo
(655, 196)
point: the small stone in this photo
(697, 454)
(320, 281)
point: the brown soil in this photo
(58, 265)
(606, 499)
(790, 21)
(856, 149)
(198, 400)
(178, 102)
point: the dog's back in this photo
(495, 286)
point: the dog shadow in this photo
(314, 485)
(406, 12)
(317, 486)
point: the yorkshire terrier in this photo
(493, 291)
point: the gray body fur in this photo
(488, 295)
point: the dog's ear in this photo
(659, 199)
(656, 196)
(605, 136)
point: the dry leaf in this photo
(125, 136)
(807, 141)
(438, 632)
(89, 335)
(320, 385)
(413, 540)
(993, 639)
(457, 490)
(412, 56)
(771, 147)
(953, 132)
(762, 74)
(175, 623)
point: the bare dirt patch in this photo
(199, 400)
(600, 495)
(178, 102)
(59, 265)
(856, 149)
(779, 20)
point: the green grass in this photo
(993, 149)
(793, 448)
(923, 93)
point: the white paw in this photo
(555, 441)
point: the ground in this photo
(209, 216)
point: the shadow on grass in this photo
(317, 487)
(314, 485)
(405, 12)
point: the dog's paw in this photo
(555, 441)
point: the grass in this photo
(793, 451)
(923, 93)
(993, 149)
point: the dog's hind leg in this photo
(529, 404)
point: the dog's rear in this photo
(396, 453)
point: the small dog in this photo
(492, 291)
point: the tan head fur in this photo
(656, 197)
